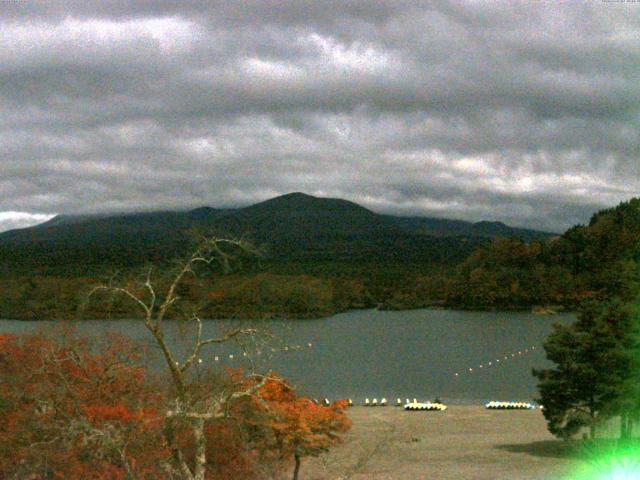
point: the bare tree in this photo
(188, 405)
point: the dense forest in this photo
(319, 256)
(587, 262)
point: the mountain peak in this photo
(295, 195)
(304, 201)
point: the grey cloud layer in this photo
(524, 112)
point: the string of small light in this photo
(231, 356)
(496, 362)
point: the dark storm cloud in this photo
(516, 111)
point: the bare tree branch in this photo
(187, 405)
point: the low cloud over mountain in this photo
(525, 112)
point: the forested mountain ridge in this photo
(292, 227)
(326, 255)
(321, 255)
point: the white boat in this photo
(496, 405)
(428, 406)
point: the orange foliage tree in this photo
(298, 426)
(69, 412)
(75, 410)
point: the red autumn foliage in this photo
(72, 410)
(67, 412)
(298, 426)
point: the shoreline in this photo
(535, 310)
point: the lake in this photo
(369, 353)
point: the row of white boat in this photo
(399, 403)
(510, 406)
(383, 402)
(428, 406)
(435, 405)
(407, 404)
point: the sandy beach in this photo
(464, 442)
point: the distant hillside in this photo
(440, 227)
(323, 256)
(294, 228)
(596, 261)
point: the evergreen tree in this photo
(628, 403)
(595, 369)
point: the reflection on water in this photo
(381, 354)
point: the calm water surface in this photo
(383, 354)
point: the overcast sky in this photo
(526, 112)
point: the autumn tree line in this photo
(67, 412)
(593, 262)
(590, 262)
